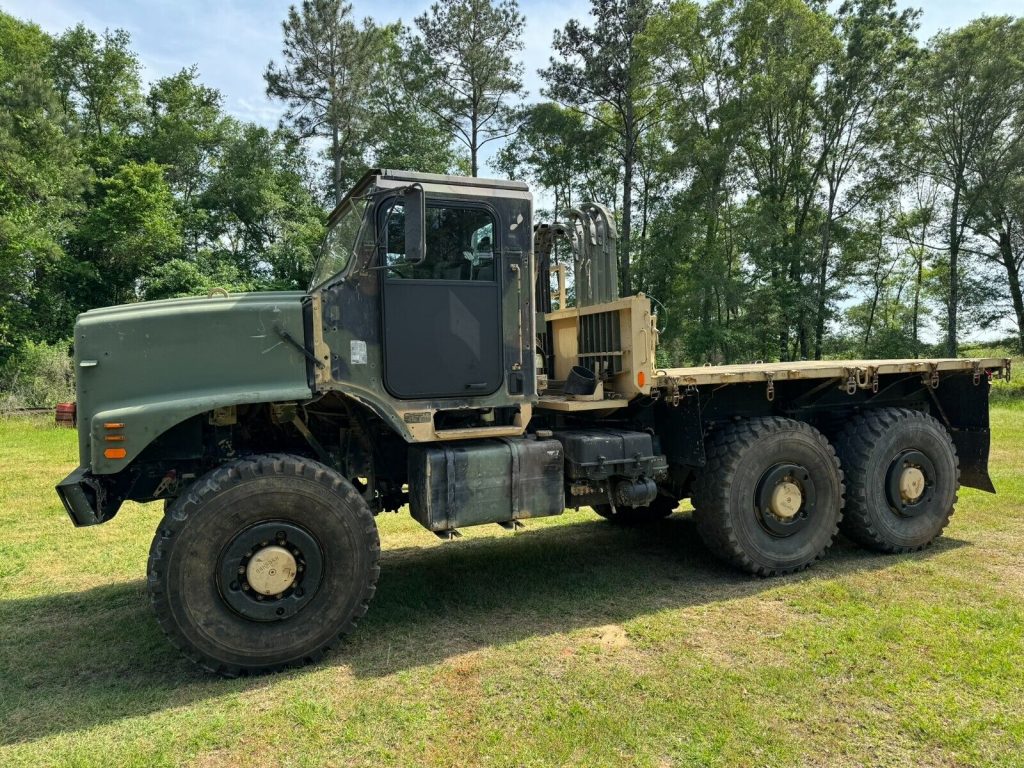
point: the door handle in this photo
(478, 385)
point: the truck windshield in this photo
(341, 242)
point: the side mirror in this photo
(414, 204)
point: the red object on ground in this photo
(66, 415)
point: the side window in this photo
(460, 244)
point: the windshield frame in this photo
(349, 206)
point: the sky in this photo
(231, 41)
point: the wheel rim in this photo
(785, 499)
(270, 571)
(910, 483)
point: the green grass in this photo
(570, 643)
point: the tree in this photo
(555, 148)
(130, 231)
(327, 82)
(183, 130)
(862, 117)
(263, 221)
(693, 259)
(97, 76)
(602, 72)
(403, 133)
(972, 92)
(41, 185)
(464, 70)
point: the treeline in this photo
(792, 179)
(113, 192)
(795, 179)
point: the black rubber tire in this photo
(659, 509)
(866, 446)
(183, 563)
(724, 495)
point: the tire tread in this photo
(211, 484)
(855, 442)
(724, 452)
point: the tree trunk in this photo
(339, 193)
(826, 246)
(627, 212)
(474, 131)
(919, 279)
(1013, 277)
(954, 283)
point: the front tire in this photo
(903, 477)
(263, 564)
(770, 497)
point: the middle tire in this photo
(770, 497)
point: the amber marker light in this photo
(113, 425)
(115, 453)
(114, 438)
(640, 379)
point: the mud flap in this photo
(972, 446)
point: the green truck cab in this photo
(430, 366)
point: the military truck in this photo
(431, 366)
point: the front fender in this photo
(143, 368)
(144, 422)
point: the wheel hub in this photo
(271, 570)
(911, 484)
(786, 500)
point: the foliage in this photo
(327, 82)
(602, 72)
(110, 192)
(463, 69)
(37, 375)
(791, 179)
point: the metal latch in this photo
(851, 381)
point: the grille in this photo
(601, 343)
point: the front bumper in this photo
(86, 499)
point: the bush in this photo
(37, 375)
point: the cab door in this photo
(442, 316)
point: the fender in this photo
(143, 368)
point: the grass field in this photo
(569, 643)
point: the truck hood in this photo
(153, 364)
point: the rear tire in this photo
(659, 509)
(878, 449)
(263, 564)
(770, 497)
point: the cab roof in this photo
(375, 176)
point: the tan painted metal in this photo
(786, 500)
(638, 340)
(861, 370)
(271, 570)
(911, 483)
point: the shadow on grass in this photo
(77, 660)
